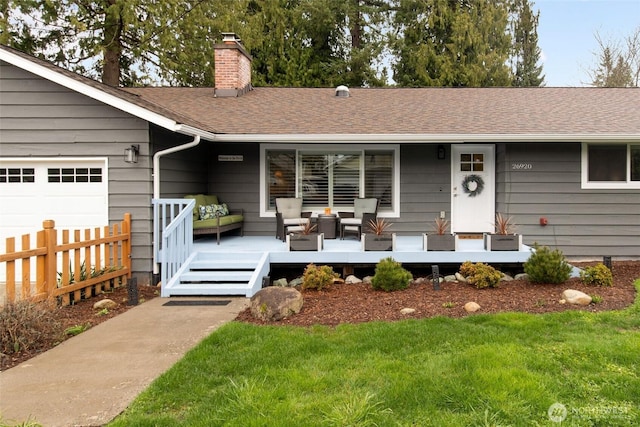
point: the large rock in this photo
(471, 307)
(573, 296)
(275, 303)
(105, 304)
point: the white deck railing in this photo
(172, 235)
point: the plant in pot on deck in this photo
(440, 239)
(305, 238)
(378, 238)
(505, 238)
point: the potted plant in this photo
(440, 239)
(378, 238)
(305, 238)
(505, 238)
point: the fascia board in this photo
(423, 138)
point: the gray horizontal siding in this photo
(581, 223)
(42, 119)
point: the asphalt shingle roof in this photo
(473, 111)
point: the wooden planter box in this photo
(502, 242)
(305, 242)
(374, 242)
(439, 242)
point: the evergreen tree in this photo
(617, 66)
(451, 43)
(526, 53)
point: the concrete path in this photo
(91, 378)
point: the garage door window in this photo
(17, 175)
(74, 174)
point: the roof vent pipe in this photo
(342, 91)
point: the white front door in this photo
(472, 188)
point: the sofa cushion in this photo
(213, 211)
(201, 200)
(224, 220)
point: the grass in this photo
(483, 370)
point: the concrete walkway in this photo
(91, 378)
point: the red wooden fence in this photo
(69, 270)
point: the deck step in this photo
(208, 276)
(219, 274)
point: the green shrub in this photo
(598, 275)
(547, 266)
(26, 326)
(481, 275)
(390, 276)
(318, 277)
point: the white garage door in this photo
(72, 192)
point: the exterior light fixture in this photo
(441, 152)
(131, 154)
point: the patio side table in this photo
(327, 224)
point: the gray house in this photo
(563, 162)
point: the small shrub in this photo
(597, 275)
(596, 299)
(74, 330)
(390, 276)
(379, 226)
(318, 277)
(448, 304)
(481, 275)
(27, 326)
(547, 266)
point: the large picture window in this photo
(611, 165)
(330, 177)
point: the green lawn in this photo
(483, 370)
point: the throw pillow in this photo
(213, 211)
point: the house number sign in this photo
(230, 158)
(521, 166)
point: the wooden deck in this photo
(348, 251)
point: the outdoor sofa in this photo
(212, 217)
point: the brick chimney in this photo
(232, 67)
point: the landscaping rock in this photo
(573, 296)
(282, 283)
(420, 281)
(296, 282)
(450, 278)
(506, 278)
(105, 303)
(408, 310)
(522, 276)
(275, 303)
(351, 279)
(460, 278)
(366, 280)
(471, 307)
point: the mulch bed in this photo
(359, 303)
(83, 313)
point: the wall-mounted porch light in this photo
(441, 152)
(131, 154)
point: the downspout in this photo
(156, 187)
(156, 162)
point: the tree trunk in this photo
(112, 45)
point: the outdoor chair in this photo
(364, 210)
(289, 216)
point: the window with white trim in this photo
(610, 165)
(330, 177)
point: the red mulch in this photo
(358, 303)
